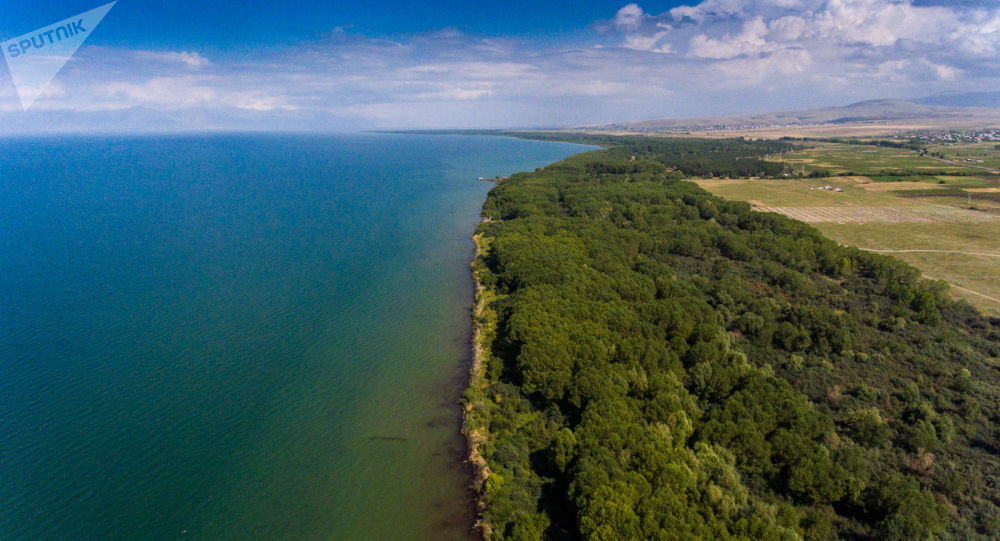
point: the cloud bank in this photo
(713, 57)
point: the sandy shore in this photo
(474, 421)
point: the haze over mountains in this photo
(969, 110)
(971, 99)
(951, 110)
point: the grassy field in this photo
(952, 240)
(979, 273)
(982, 154)
(805, 192)
(836, 158)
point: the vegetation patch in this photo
(660, 363)
(968, 226)
(882, 164)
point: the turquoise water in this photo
(201, 336)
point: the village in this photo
(951, 137)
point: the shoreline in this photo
(473, 404)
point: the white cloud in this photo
(190, 59)
(751, 41)
(770, 24)
(946, 73)
(979, 36)
(655, 43)
(629, 17)
(709, 8)
(169, 92)
(867, 42)
(879, 22)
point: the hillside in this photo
(973, 110)
(971, 99)
(659, 363)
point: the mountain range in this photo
(980, 109)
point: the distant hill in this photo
(975, 108)
(972, 99)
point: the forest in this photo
(654, 362)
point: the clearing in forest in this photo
(923, 230)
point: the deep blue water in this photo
(201, 335)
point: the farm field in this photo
(838, 158)
(944, 237)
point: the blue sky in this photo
(251, 23)
(336, 66)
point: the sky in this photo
(332, 66)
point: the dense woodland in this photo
(660, 363)
(692, 157)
